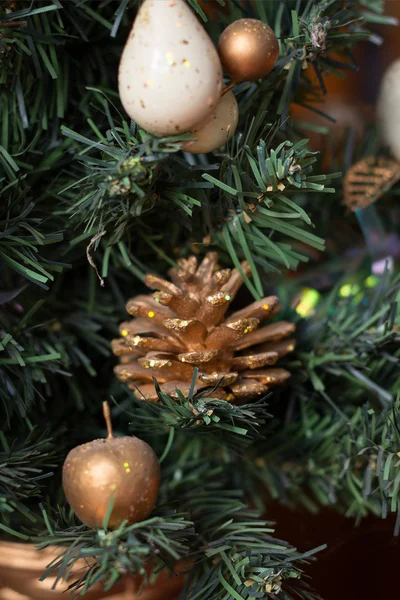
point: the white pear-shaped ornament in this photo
(218, 127)
(389, 108)
(170, 75)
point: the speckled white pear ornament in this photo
(170, 75)
(218, 127)
(389, 108)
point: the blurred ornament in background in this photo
(368, 180)
(22, 565)
(248, 49)
(122, 472)
(326, 126)
(364, 183)
(306, 302)
(217, 129)
(185, 326)
(389, 108)
(170, 75)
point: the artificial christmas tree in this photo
(213, 189)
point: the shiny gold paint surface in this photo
(248, 50)
(123, 470)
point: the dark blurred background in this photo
(360, 562)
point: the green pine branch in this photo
(345, 393)
(271, 569)
(43, 343)
(122, 175)
(129, 549)
(24, 239)
(357, 344)
(24, 469)
(350, 463)
(262, 218)
(217, 421)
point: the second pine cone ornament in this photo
(183, 325)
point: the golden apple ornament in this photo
(122, 472)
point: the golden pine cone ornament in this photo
(183, 325)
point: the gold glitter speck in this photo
(150, 314)
(265, 306)
(186, 63)
(124, 332)
(113, 487)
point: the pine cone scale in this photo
(254, 361)
(261, 310)
(199, 357)
(268, 333)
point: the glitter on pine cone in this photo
(183, 325)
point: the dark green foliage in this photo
(87, 198)
(235, 425)
(357, 343)
(345, 387)
(22, 471)
(270, 568)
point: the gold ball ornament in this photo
(248, 49)
(123, 471)
(217, 129)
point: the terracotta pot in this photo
(21, 566)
